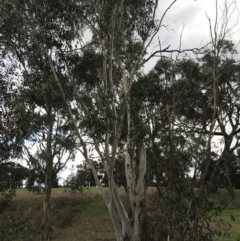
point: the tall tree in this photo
(122, 32)
(102, 112)
(28, 26)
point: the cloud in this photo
(185, 13)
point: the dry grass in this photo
(73, 215)
(26, 211)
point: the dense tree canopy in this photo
(63, 95)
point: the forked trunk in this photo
(139, 196)
(136, 184)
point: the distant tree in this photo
(36, 178)
(84, 176)
(12, 175)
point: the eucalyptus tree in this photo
(37, 170)
(38, 116)
(227, 105)
(184, 89)
(166, 89)
(171, 88)
(10, 134)
(197, 113)
(51, 133)
(122, 32)
(42, 36)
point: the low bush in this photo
(180, 215)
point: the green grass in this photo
(232, 217)
(65, 206)
(95, 207)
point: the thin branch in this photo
(166, 50)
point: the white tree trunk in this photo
(139, 196)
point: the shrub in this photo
(18, 227)
(180, 214)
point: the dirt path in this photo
(87, 228)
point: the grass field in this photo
(232, 215)
(84, 216)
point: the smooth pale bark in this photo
(48, 180)
(139, 196)
(129, 175)
(125, 222)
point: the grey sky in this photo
(190, 16)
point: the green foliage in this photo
(6, 198)
(18, 227)
(75, 183)
(84, 177)
(178, 216)
(12, 175)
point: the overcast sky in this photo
(191, 15)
